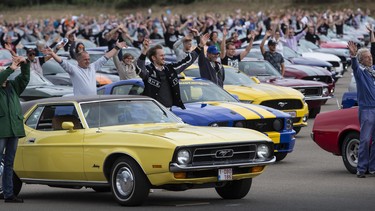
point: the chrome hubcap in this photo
(124, 181)
(352, 152)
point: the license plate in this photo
(225, 174)
(291, 113)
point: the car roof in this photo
(79, 99)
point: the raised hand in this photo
(121, 44)
(204, 39)
(352, 48)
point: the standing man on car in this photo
(83, 76)
(11, 119)
(161, 79)
(273, 57)
(364, 74)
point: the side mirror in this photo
(256, 80)
(236, 96)
(67, 126)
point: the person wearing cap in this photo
(228, 54)
(273, 57)
(161, 79)
(11, 119)
(210, 68)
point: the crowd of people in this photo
(214, 47)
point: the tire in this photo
(101, 189)
(280, 155)
(313, 112)
(235, 189)
(297, 129)
(17, 183)
(129, 185)
(349, 152)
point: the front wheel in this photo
(235, 189)
(297, 129)
(313, 112)
(129, 185)
(349, 152)
(280, 155)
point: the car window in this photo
(196, 91)
(33, 118)
(124, 112)
(51, 117)
(127, 89)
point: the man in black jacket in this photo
(161, 79)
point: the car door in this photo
(50, 152)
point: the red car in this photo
(338, 132)
(334, 45)
(316, 93)
(310, 73)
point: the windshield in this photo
(289, 53)
(199, 91)
(236, 77)
(258, 68)
(5, 54)
(124, 112)
(35, 79)
(308, 44)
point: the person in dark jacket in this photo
(11, 119)
(161, 79)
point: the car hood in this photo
(51, 91)
(264, 91)
(184, 134)
(205, 113)
(303, 70)
(288, 82)
(321, 56)
(310, 62)
(336, 51)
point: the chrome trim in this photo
(174, 167)
(63, 182)
(317, 98)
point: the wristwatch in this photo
(117, 48)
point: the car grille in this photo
(310, 91)
(296, 120)
(335, 64)
(216, 155)
(262, 125)
(325, 79)
(283, 104)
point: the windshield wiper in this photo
(263, 74)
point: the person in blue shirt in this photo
(364, 74)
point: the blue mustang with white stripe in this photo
(209, 105)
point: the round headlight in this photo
(304, 119)
(183, 157)
(214, 124)
(325, 91)
(239, 124)
(289, 124)
(277, 124)
(263, 151)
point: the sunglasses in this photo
(31, 54)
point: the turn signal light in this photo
(180, 175)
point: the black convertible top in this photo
(79, 99)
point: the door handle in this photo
(31, 140)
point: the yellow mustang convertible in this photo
(129, 144)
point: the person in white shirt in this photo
(83, 76)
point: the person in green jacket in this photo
(11, 119)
